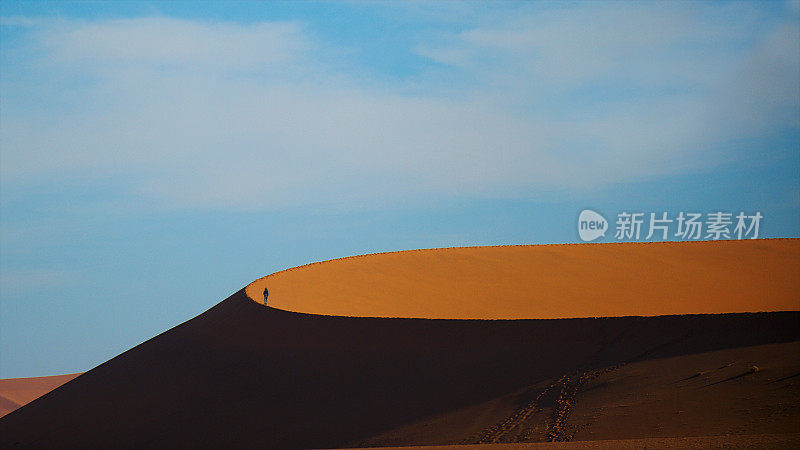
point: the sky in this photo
(156, 157)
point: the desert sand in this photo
(547, 281)
(245, 375)
(15, 392)
(779, 441)
(714, 394)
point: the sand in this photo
(547, 281)
(789, 441)
(714, 394)
(15, 392)
(242, 375)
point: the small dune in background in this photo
(16, 392)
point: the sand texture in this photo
(547, 281)
(242, 375)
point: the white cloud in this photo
(17, 21)
(251, 116)
(171, 43)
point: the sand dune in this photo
(713, 393)
(547, 281)
(245, 375)
(15, 392)
(758, 441)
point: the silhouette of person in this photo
(266, 294)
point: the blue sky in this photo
(155, 157)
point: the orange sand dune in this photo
(241, 375)
(15, 392)
(547, 281)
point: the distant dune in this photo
(242, 375)
(15, 392)
(547, 281)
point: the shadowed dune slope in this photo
(772, 441)
(245, 375)
(713, 393)
(15, 392)
(547, 281)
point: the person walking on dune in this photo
(266, 294)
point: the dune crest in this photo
(546, 281)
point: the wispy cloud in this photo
(20, 281)
(255, 115)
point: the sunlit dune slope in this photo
(547, 281)
(15, 392)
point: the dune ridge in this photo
(551, 281)
(242, 375)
